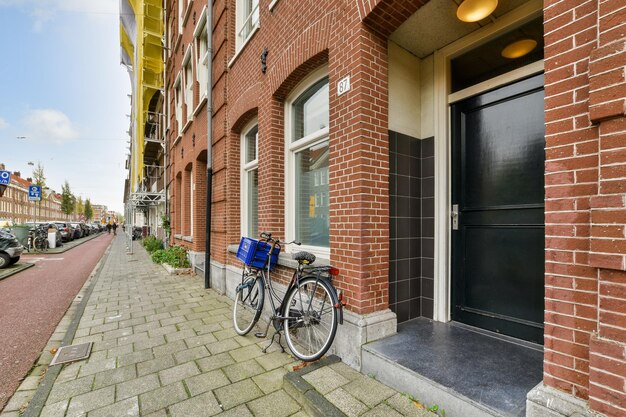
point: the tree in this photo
(67, 199)
(79, 209)
(39, 178)
(88, 210)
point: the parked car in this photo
(78, 231)
(67, 233)
(94, 228)
(10, 249)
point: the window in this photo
(178, 98)
(307, 164)
(247, 20)
(188, 70)
(191, 198)
(202, 55)
(250, 181)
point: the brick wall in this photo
(187, 154)
(585, 336)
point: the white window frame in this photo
(188, 81)
(291, 148)
(202, 59)
(242, 20)
(178, 101)
(247, 167)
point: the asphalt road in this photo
(33, 302)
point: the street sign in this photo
(34, 192)
(5, 177)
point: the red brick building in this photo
(16, 207)
(447, 176)
(186, 108)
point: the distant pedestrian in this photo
(114, 228)
(109, 228)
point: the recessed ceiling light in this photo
(519, 48)
(475, 10)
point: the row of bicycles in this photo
(37, 239)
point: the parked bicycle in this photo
(37, 240)
(308, 313)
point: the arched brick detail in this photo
(384, 16)
(307, 52)
(244, 107)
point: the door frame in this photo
(443, 167)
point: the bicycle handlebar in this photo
(268, 236)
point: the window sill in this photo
(178, 138)
(187, 12)
(272, 4)
(203, 100)
(243, 45)
(179, 237)
(189, 122)
(177, 43)
(188, 239)
(284, 259)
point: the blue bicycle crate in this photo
(254, 253)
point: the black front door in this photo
(498, 185)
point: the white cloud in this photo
(3, 123)
(49, 125)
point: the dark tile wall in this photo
(411, 197)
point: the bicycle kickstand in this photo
(282, 349)
(262, 335)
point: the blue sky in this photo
(62, 87)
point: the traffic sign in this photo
(34, 192)
(5, 177)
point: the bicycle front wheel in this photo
(248, 304)
(310, 319)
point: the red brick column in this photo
(585, 334)
(359, 168)
(607, 109)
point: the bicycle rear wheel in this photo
(41, 244)
(311, 319)
(248, 304)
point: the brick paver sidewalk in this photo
(164, 346)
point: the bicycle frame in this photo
(300, 272)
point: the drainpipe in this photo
(209, 152)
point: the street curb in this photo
(18, 268)
(38, 401)
(312, 401)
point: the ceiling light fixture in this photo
(475, 10)
(519, 48)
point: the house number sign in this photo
(343, 85)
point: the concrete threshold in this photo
(472, 373)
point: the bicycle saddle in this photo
(304, 257)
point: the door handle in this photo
(454, 213)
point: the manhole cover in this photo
(72, 353)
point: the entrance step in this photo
(470, 373)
